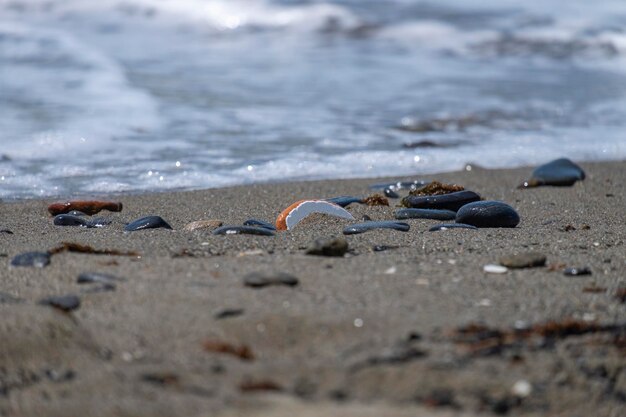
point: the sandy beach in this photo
(418, 329)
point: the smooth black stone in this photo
(415, 213)
(259, 223)
(35, 259)
(488, 214)
(560, 172)
(69, 220)
(228, 313)
(260, 279)
(149, 222)
(398, 185)
(243, 230)
(96, 278)
(63, 302)
(354, 229)
(445, 226)
(452, 201)
(391, 193)
(344, 200)
(333, 246)
(575, 272)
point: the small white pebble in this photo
(391, 270)
(485, 302)
(358, 323)
(205, 244)
(522, 389)
(452, 261)
(596, 244)
(495, 269)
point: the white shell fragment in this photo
(299, 210)
(495, 269)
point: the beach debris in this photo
(259, 223)
(560, 172)
(389, 193)
(495, 269)
(594, 289)
(521, 388)
(64, 303)
(242, 352)
(416, 213)
(452, 201)
(259, 386)
(83, 221)
(575, 272)
(376, 200)
(488, 214)
(446, 226)
(86, 206)
(436, 188)
(293, 214)
(328, 246)
(398, 185)
(263, 279)
(344, 200)
(148, 222)
(228, 313)
(34, 259)
(523, 260)
(78, 248)
(243, 230)
(357, 228)
(202, 224)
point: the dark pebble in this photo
(230, 312)
(344, 200)
(334, 246)
(96, 277)
(243, 230)
(523, 260)
(391, 193)
(35, 259)
(63, 302)
(70, 220)
(488, 214)
(260, 279)
(149, 222)
(574, 272)
(452, 201)
(445, 226)
(560, 172)
(60, 376)
(354, 229)
(7, 231)
(416, 213)
(259, 223)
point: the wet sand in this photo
(415, 330)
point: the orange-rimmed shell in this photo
(303, 208)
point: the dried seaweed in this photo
(243, 352)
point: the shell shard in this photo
(299, 210)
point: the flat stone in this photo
(367, 226)
(524, 260)
(452, 201)
(64, 302)
(202, 224)
(333, 246)
(32, 259)
(70, 220)
(416, 213)
(148, 222)
(488, 214)
(262, 279)
(560, 172)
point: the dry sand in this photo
(368, 334)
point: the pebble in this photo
(70, 220)
(495, 269)
(333, 246)
(574, 272)
(87, 207)
(228, 313)
(261, 279)
(416, 213)
(259, 223)
(35, 259)
(488, 214)
(524, 260)
(97, 278)
(452, 201)
(389, 193)
(243, 230)
(560, 172)
(344, 200)
(149, 222)
(367, 226)
(446, 226)
(7, 231)
(202, 224)
(63, 302)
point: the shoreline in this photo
(378, 332)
